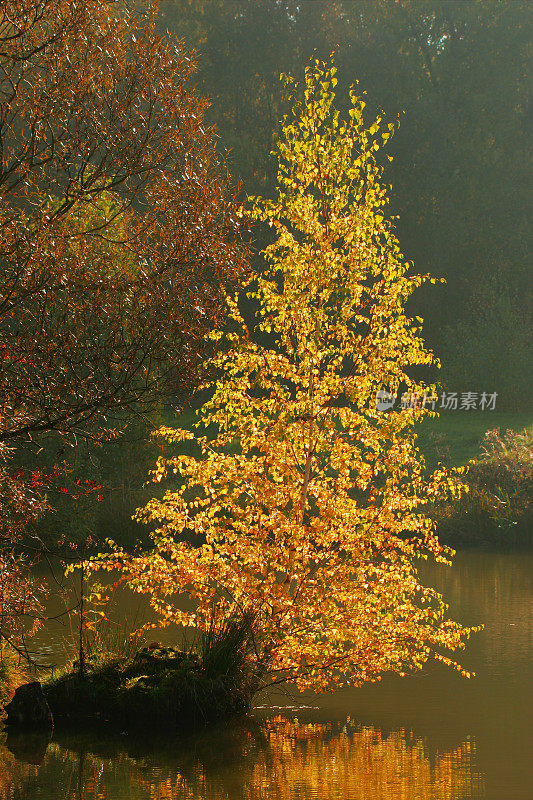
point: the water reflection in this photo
(14, 774)
(266, 758)
(277, 757)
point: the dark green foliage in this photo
(120, 466)
(492, 346)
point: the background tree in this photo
(20, 593)
(116, 230)
(117, 235)
(307, 511)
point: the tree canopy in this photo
(117, 235)
(118, 240)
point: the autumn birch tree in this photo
(306, 508)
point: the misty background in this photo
(456, 74)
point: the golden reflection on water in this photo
(311, 761)
(14, 774)
(277, 758)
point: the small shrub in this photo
(500, 482)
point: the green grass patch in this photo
(455, 436)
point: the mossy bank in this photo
(158, 685)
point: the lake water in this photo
(432, 736)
